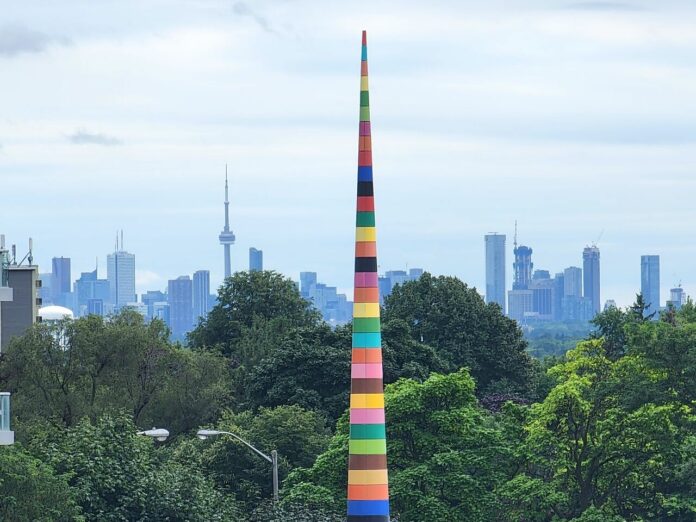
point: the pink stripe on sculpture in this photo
(367, 416)
(366, 371)
(366, 279)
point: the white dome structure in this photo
(55, 313)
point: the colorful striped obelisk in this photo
(368, 489)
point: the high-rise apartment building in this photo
(495, 269)
(590, 265)
(650, 283)
(543, 301)
(572, 282)
(520, 304)
(255, 260)
(180, 298)
(201, 294)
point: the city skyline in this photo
(594, 130)
(146, 282)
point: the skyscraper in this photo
(495, 269)
(558, 291)
(255, 260)
(201, 294)
(520, 300)
(180, 297)
(90, 289)
(676, 298)
(120, 271)
(575, 307)
(590, 266)
(226, 236)
(307, 281)
(522, 267)
(149, 299)
(60, 281)
(414, 274)
(650, 284)
(368, 489)
(572, 282)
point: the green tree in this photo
(117, 475)
(257, 304)
(31, 491)
(296, 434)
(90, 366)
(613, 325)
(669, 350)
(586, 446)
(442, 448)
(443, 312)
(309, 367)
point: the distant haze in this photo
(572, 117)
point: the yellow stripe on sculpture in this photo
(367, 400)
(367, 476)
(366, 310)
(366, 234)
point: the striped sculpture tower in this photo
(368, 489)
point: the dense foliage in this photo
(464, 331)
(477, 430)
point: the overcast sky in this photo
(575, 118)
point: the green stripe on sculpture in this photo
(367, 431)
(366, 324)
(365, 219)
(367, 447)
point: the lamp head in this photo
(158, 434)
(204, 434)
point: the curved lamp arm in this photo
(204, 434)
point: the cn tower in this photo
(227, 236)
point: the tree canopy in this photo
(476, 430)
(452, 318)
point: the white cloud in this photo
(148, 280)
(16, 39)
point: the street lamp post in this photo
(273, 458)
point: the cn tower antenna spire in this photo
(227, 236)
